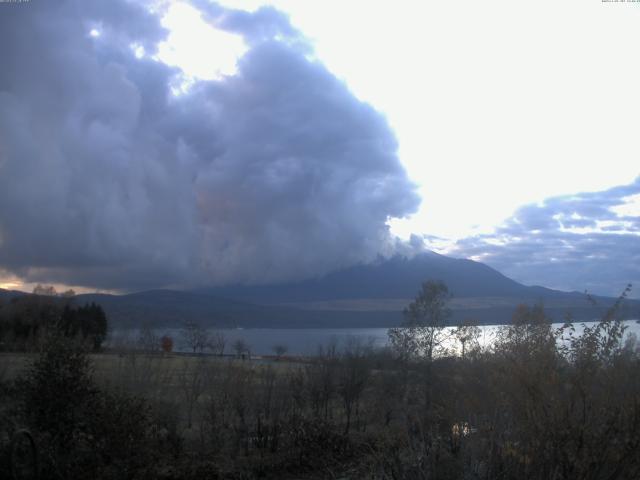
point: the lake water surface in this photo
(307, 341)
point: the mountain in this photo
(395, 278)
(6, 295)
(371, 295)
(384, 288)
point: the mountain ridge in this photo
(372, 295)
(396, 277)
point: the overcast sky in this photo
(253, 141)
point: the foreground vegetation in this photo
(539, 403)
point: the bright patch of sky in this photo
(630, 207)
(202, 52)
(495, 104)
(13, 282)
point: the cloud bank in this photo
(587, 241)
(108, 180)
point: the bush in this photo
(82, 432)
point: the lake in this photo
(306, 341)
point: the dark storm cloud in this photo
(107, 180)
(572, 242)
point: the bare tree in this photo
(422, 334)
(321, 376)
(45, 290)
(467, 334)
(353, 377)
(148, 340)
(194, 337)
(280, 350)
(192, 383)
(217, 343)
(241, 348)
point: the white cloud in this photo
(572, 242)
(630, 207)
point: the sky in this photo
(176, 144)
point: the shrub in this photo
(82, 432)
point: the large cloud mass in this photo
(108, 180)
(585, 241)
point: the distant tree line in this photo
(27, 319)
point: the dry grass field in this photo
(184, 380)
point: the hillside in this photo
(395, 278)
(6, 295)
(364, 295)
(361, 296)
